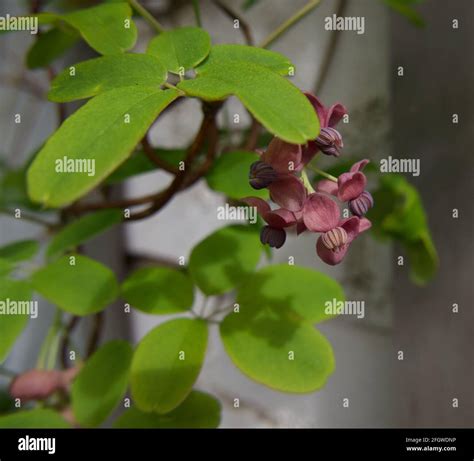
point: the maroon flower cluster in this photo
(280, 169)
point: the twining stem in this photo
(243, 26)
(300, 14)
(197, 12)
(48, 351)
(306, 182)
(146, 15)
(322, 173)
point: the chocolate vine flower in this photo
(274, 233)
(350, 187)
(321, 214)
(329, 141)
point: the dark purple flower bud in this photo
(272, 236)
(334, 239)
(329, 141)
(361, 204)
(261, 175)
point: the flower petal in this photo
(351, 185)
(320, 109)
(320, 213)
(307, 153)
(364, 224)
(351, 226)
(262, 206)
(287, 216)
(327, 186)
(282, 156)
(359, 166)
(335, 113)
(328, 256)
(288, 192)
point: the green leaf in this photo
(81, 230)
(107, 28)
(166, 364)
(39, 418)
(241, 53)
(19, 251)
(97, 131)
(404, 7)
(50, 46)
(224, 258)
(139, 164)
(81, 289)
(101, 383)
(159, 290)
(6, 267)
(180, 49)
(296, 289)
(399, 215)
(230, 174)
(423, 259)
(96, 76)
(13, 191)
(261, 340)
(198, 411)
(11, 325)
(275, 102)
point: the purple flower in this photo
(321, 214)
(277, 220)
(350, 187)
(329, 141)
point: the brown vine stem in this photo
(280, 30)
(94, 338)
(66, 339)
(246, 31)
(329, 52)
(160, 163)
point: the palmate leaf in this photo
(107, 28)
(82, 288)
(225, 258)
(81, 230)
(159, 290)
(101, 383)
(199, 410)
(274, 101)
(106, 73)
(277, 349)
(105, 130)
(12, 325)
(180, 49)
(297, 290)
(166, 364)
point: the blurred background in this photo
(407, 116)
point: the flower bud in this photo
(261, 175)
(361, 204)
(329, 141)
(272, 236)
(334, 239)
